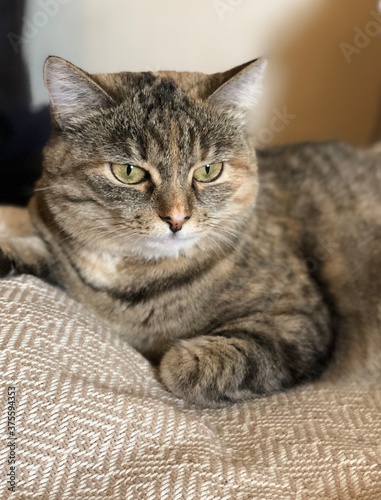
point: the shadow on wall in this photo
(330, 76)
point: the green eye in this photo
(209, 172)
(129, 174)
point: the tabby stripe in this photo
(287, 356)
(151, 290)
(77, 200)
(157, 288)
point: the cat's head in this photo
(154, 165)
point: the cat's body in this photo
(235, 290)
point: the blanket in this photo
(92, 421)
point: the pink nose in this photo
(175, 222)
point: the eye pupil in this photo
(207, 169)
(129, 169)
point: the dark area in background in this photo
(23, 132)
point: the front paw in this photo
(6, 265)
(207, 371)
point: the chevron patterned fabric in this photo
(92, 421)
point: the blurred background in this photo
(323, 80)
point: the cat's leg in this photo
(21, 248)
(248, 358)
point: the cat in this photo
(232, 270)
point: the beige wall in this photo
(333, 69)
(313, 89)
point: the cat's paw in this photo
(207, 370)
(6, 266)
(23, 255)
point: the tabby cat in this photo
(151, 212)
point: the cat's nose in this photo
(175, 221)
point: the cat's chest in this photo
(171, 308)
(100, 270)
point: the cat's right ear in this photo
(243, 88)
(72, 92)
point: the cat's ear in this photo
(243, 90)
(72, 92)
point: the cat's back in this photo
(329, 194)
(331, 188)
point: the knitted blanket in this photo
(93, 422)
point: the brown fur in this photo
(251, 302)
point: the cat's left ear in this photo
(244, 89)
(73, 93)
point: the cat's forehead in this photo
(194, 84)
(152, 101)
(158, 98)
(160, 117)
(122, 86)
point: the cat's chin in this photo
(165, 247)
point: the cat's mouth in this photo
(171, 245)
(171, 239)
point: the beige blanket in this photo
(92, 421)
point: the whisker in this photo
(50, 186)
(223, 236)
(224, 239)
(112, 234)
(226, 229)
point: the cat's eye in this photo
(129, 174)
(209, 172)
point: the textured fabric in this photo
(93, 422)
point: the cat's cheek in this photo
(206, 371)
(244, 199)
